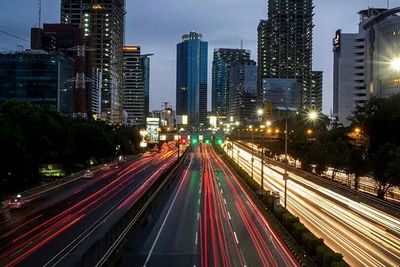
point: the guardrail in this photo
(390, 207)
(101, 251)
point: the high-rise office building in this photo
(191, 78)
(133, 100)
(261, 58)
(285, 46)
(69, 40)
(242, 102)
(223, 59)
(362, 61)
(145, 66)
(38, 77)
(103, 24)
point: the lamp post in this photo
(312, 116)
(252, 150)
(237, 126)
(260, 112)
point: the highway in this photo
(364, 235)
(208, 219)
(57, 234)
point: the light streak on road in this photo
(222, 220)
(364, 235)
(16, 245)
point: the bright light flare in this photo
(395, 64)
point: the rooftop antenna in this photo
(39, 13)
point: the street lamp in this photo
(395, 64)
(252, 150)
(312, 115)
(237, 125)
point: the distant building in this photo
(285, 46)
(38, 77)
(145, 66)
(262, 48)
(362, 61)
(191, 79)
(103, 25)
(95, 97)
(167, 117)
(243, 91)
(282, 93)
(69, 39)
(223, 59)
(133, 93)
(314, 96)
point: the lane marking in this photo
(198, 202)
(198, 215)
(229, 215)
(197, 237)
(166, 217)
(225, 201)
(222, 191)
(237, 241)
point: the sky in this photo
(157, 26)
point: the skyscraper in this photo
(103, 24)
(285, 46)
(191, 78)
(133, 94)
(145, 66)
(261, 58)
(362, 61)
(242, 104)
(223, 59)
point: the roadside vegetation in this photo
(369, 147)
(31, 136)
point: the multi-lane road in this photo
(208, 219)
(364, 235)
(56, 228)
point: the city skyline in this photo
(221, 32)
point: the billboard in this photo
(152, 125)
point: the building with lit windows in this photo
(363, 61)
(191, 79)
(103, 24)
(133, 93)
(145, 65)
(285, 48)
(223, 59)
(38, 77)
(242, 101)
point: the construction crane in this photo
(39, 13)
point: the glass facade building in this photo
(282, 93)
(191, 78)
(38, 77)
(223, 59)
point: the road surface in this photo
(59, 234)
(208, 219)
(364, 235)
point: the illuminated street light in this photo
(357, 130)
(268, 123)
(312, 115)
(260, 112)
(395, 64)
(309, 131)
